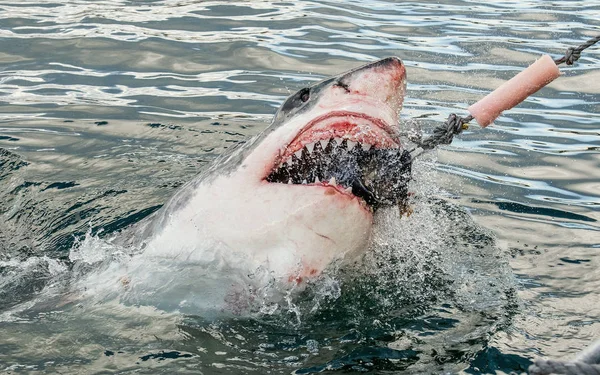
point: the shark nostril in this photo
(390, 61)
(343, 85)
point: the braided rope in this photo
(573, 53)
(444, 134)
(549, 366)
(587, 362)
(591, 354)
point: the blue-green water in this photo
(107, 107)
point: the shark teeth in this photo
(315, 163)
(333, 142)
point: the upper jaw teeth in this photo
(323, 162)
(336, 142)
(371, 177)
(331, 162)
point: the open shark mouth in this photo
(351, 152)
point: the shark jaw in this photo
(331, 139)
(287, 207)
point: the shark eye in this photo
(305, 95)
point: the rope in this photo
(586, 363)
(591, 354)
(573, 54)
(444, 134)
(549, 366)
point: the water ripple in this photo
(119, 102)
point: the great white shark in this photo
(303, 193)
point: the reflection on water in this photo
(107, 108)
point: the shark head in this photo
(294, 203)
(359, 108)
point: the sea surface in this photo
(107, 107)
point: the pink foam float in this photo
(515, 90)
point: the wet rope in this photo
(586, 363)
(573, 54)
(550, 366)
(444, 134)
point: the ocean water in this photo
(106, 108)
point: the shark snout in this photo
(382, 81)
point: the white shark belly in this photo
(290, 232)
